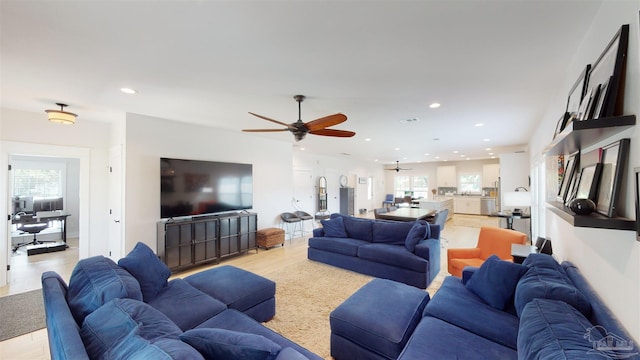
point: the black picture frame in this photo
(570, 170)
(610, 67)
(561, 124)
(614, 162)
(636, 178)
(577, 92)
(587, 185)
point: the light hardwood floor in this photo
(461, 231)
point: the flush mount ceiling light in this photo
(61, 116)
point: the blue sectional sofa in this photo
(131, 310)
(407, 252)
(537, 310)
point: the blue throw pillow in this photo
(495, 281)
(334, 227)
(418, 232)
(123, 327)
(226, 344)
(551, 329)
(97, 280)
(144, 265)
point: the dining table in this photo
(407, 214)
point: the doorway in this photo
(80, 158)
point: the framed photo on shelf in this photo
(577, 92)
(591, 106)
(609, 68)
(561, 124)
(568, 176)
(601, 99)
(587, 186)
(582, 111)
(614, 161)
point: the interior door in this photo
(303, 191)
(333, 190)
(116, 227)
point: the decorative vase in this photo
(582, 206)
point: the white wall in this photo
(610, 259)
(514, 172)
(149, 138)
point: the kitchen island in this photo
(438, 204)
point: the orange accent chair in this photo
(492, 240)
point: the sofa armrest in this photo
(467, 272)
(465, 253)
(318, 232)
(428, 248)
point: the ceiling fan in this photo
(315, 127)
(398, 168)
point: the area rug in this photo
(21, 314)
(306, 293)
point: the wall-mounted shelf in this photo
(593, 220)
(581, 134)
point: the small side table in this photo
(520, 252)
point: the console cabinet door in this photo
(178, 251)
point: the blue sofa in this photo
(538, 310)
(407, 252)
(129, 309)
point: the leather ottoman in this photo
(376, 321)
(270, 237)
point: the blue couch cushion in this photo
(455, 304)
(344, 246)
(94, 282)
(122, 327)
(390, 232)
(394, 255)
(361, 229)
(545, 283)
(495, 281)
(551, 329)
(380, 316)
(185, 305)
(290, 354)
(228, 344)
(418, 232)
(237, 288)
(437, 339)
(144, 265)
(334, 227)
(231, 319)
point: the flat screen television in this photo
(196, 187)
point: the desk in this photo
(407, 214)
(44, 216)
(509, 216)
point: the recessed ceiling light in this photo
(491, 153)
(426, 154)
(486, 139)
(128, 90)
(396, 149)
(455, 151)
(479, 124)
(367, 139)
(463, 155)
(469, 158)
(434, 105)
(437, 157)
(488, 149)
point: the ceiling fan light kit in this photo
(61, 116)
(398, 168)
(299, 129)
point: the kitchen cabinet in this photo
(490, 174)
(447, 176)
(467, 205)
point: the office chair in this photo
(31, 229)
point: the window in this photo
(39, 183)
(470, 183)
(416, 186)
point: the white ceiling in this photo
(493, 62)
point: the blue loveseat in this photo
(502, 310)
(130, 310)
(407, 252)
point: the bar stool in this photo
(290, 219)
(304, 216)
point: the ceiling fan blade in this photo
(325, 122)
(268, 119)
(333, 132)
(264, 130)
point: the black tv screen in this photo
(196, 187)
